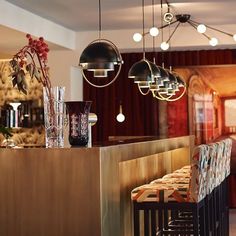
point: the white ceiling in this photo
(82, 15)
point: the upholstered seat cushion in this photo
(160, 193)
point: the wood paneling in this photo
(79, 191)
(49, 192)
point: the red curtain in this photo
(141, 112)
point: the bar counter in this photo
(81, 191)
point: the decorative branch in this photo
(33, 59)
(37, 51)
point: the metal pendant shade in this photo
(163, 84)
(180, 81)
(100, 57)
(144, 71)
(163, 74)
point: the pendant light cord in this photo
(170, 35)
(153, 38)
(162, 35)
(153, 13)
(143, 30)
(99, 18)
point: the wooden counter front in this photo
(80, 191)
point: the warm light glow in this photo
(154, 31)
(137, 37)
(234, 37)
(213, 42)
(201, 28)
(165, 46)
(120, 117)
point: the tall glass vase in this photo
(54, 114)
(78, 112)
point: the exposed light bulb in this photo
(213, 41)
(137, 37)
(165, 46)
(201, 28)
(120, 117)
(154, 31)
(234, 37)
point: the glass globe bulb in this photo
(201, 28)
(234, 37)
(137, 37)
(165, 46)
(120, 117)
(213, 41)
(154, 31)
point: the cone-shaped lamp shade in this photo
(144, 71)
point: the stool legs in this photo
(136, 220)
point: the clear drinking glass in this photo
(54, 114)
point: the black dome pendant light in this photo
(144, 71)
(100, 57)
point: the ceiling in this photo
(82, 15)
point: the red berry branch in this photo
(32, 58)
(25, 60)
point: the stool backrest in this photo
(227, 153)
(220, 163)
(211, 173)
(198, 174)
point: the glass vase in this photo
(54, 114)
(78, 112)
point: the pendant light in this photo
(120, 117)
(170, 86)
(159, 83)
(100, 57)
(144, 71)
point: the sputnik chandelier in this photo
(164, 84)
(181, 19)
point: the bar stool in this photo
(225, 203)
(163, 196)
(211, 184)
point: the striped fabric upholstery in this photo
(211, 173)
(198, 178)
(186, 186)
(219, 168)
(160, 193)
(210, 165)
(228, 148)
